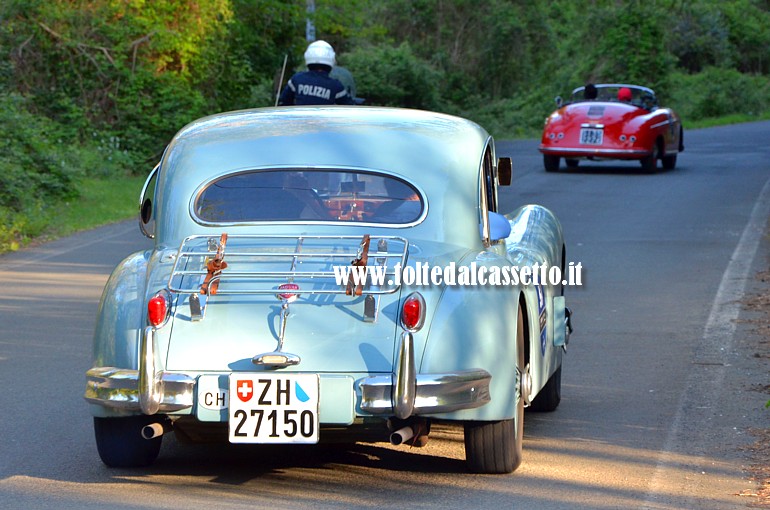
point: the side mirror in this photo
(559, 101)
(499, 226)
(145, 212)
(146, 218)
(504, 171)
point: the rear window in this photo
(309, 195)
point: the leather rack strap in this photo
(214, 267)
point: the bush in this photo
(36, 162)
(716, 92)
(41, 166)
(521, 116)
(394, 76)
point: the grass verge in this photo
(101, 201)
(738, 118)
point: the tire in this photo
(496, 447)
(572, 163)
(650, 163)
(549, 397)
(551, 163)
(669, 161)
(120, 442)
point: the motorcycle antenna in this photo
(280, 80)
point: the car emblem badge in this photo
(289, 297)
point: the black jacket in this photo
(314, 87)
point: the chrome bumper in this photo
(434, 393)
(402, 393)
(405, 393)
(119, 388)
(597, 152)
(148, 389)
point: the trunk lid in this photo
(272, 284)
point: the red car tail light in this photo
(413, 312)
(158, 309)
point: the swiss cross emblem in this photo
(245, 390)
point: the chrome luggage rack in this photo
(284, 266)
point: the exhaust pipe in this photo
(401, 435)
(415, 432)
(154, 430)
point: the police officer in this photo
(315, 86)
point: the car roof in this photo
(401, 141)
(440, 154)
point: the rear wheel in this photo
(495, 447)
(551, 163)
(669, 161)
(549, 397)
(650, 163)
(120, 442)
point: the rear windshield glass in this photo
(309, 195)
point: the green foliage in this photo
(394, 76)
(342, 23)
(96, 88)
(41, 167)
(101, 200)
(489, 48)
(748, 26)
(611, 42)
(130, 69)
(14, 229)
(35, 163)
(700, 37)
(633, 48)
(716, 92)
(521, 116)
(247, 60)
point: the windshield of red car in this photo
(309, 195)
(612, 93)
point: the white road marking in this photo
(717, 341)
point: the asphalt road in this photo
(659, 381)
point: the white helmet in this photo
(320, 52)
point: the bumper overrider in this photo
(402, 394)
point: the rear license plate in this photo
(273, 408)
(591, 136)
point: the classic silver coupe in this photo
(320, 272)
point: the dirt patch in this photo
(759, 471)
(759, 452)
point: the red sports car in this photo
(612, 121)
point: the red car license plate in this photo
(591, 136)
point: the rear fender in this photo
(475, 327)
(120, 318)
(536, 238)
(122, 314)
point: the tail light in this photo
(158, 308)
(413, 312)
